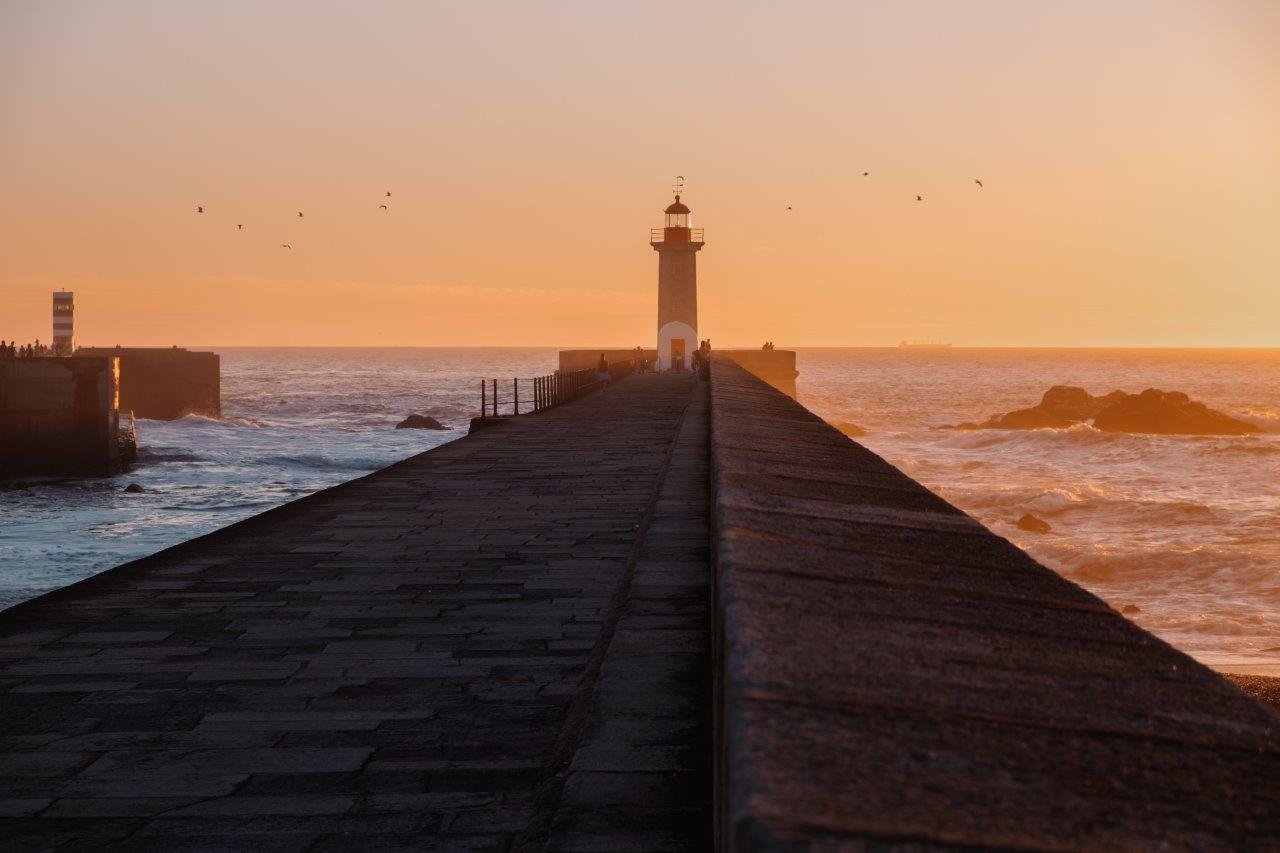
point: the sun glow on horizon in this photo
(1128, 155)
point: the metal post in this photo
(515, 395)
(483, 402)
(495, 398)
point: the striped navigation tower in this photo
(677, 245)
(63, 322)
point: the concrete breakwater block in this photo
(59, 416)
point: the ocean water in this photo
(1186, 528)
(295, 420)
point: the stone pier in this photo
(663, 617)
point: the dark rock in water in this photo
(1060, 407)
(1167, 413)
(133, 488)
(1035, 525)
(1152, 411)
(420, 422)
(1130, 609)
(850, 429)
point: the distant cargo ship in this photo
(910, 345)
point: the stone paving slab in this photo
(406, 661)
(641, 776)
(894, 675)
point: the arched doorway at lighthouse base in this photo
(676, 344)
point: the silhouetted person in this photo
(602, 372)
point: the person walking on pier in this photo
(602, 373)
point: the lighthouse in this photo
(677, 245)
(63, 322)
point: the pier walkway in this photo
(661, 617)
(498, 644)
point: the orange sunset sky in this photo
(1130, 151)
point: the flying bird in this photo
(865, 174)
(978, 182)
(388, 193)
(919, 198)
(788, 207)
(199, 208)
(299, 214)
(285, 246)
(382, 206)
(239, 227)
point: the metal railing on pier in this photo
(543, 392)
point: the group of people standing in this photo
(13, 350)
(700, 363)
(702, 359)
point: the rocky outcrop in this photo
(1167, 413)
(1060, 407)
(1152, 411)
(420, 422)
(1033, 524)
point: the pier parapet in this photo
(889, 672)
(166, 383)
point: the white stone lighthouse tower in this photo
(677, 245)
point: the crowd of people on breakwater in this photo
(12, 349)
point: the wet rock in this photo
(133, 489)
(420, 422)
(850, 429)
(1152, 411)
(1060, 407)
(1130, 609)
(1167, 413)
(1033, 524)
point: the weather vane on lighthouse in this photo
(678, 187)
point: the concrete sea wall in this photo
(581, 359)
(891, 672)
(59, 416)
(775, 366)
(165, 384)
